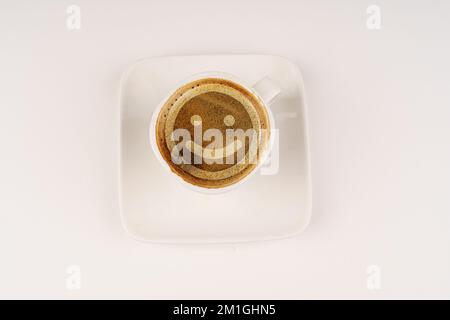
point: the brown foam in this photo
(213, 107)
(213, 99)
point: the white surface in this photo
(379, 123)
(155, 207)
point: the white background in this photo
(379, 110)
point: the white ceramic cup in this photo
(265, 89)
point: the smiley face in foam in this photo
(217, 127)
(215, 152)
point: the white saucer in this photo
(155, 208)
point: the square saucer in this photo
(155, 208)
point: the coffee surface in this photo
(217, 127)
(216, 111)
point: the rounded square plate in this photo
(272, 205)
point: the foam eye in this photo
(228, 120)
(196, 120)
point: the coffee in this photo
(212, 132)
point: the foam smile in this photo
(214, 153)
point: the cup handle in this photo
(267, 90)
